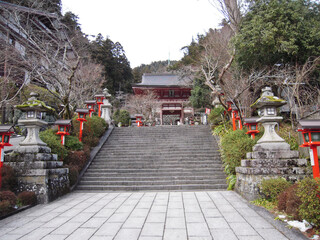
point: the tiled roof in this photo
(163, 79)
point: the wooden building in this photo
(172, 92)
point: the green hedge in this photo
(309, 193)
(122, 116)
(235, 145)
(271, 188)
(53, 141)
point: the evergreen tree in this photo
(117, 71)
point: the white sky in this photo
(148, 30)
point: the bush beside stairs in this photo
(156, 158)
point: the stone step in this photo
(155, 165)
(155, 174)
(157, 158)
(154, 183)
(151, 187)
(152, 178)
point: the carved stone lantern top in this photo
(268, 99)
(106, 93)
(34, 104)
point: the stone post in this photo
(106, 107)
(38, 169)
(271, 156)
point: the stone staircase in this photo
(156, 158)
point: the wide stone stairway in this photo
(156, 158)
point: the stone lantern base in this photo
(261, 165)
(39, 171)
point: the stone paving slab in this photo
(146, 215)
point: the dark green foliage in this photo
(117, 72)
(271, 188)
(122, 116)
(73, 143)
(235, 145)
(309, 193)
(9, 178)
(5, 207)
(8, 196)
(53, 141)
(154, 67)
(27, 198)
(279, 32)
(200, 95)
(290, 136)
(289, 202)
(216, 117)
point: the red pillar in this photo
(80, 133)
(234, 121)
(315, 166)
(1, 164)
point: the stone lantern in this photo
(33, 111)
(267, 106)
(38, 170)
(106, 107)
(271, 156)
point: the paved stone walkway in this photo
(142, 215)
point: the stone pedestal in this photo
(39, 171)
(261, 165)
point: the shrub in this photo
(289, 202)
(53, 141)
(235, 145)
(122, 116)
(216, 116)
(9, 178)
(77, 159)
(309, 193)
(73, 143)
(27, 198)
(271, 188)
(73, 174)
(9, 196)
(5, 207)
(290, 136)
(92, 130)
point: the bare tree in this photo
(46, 53)
(146, 104)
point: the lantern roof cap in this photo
(34, 104)
(251, 120)
(6, 128)
(90, 102)
(309, 124)
(82, 110)
(63, 122)
(268, 99)
(106, 93)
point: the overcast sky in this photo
(148, 30)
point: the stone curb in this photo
(292, 234)
(93, 153)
